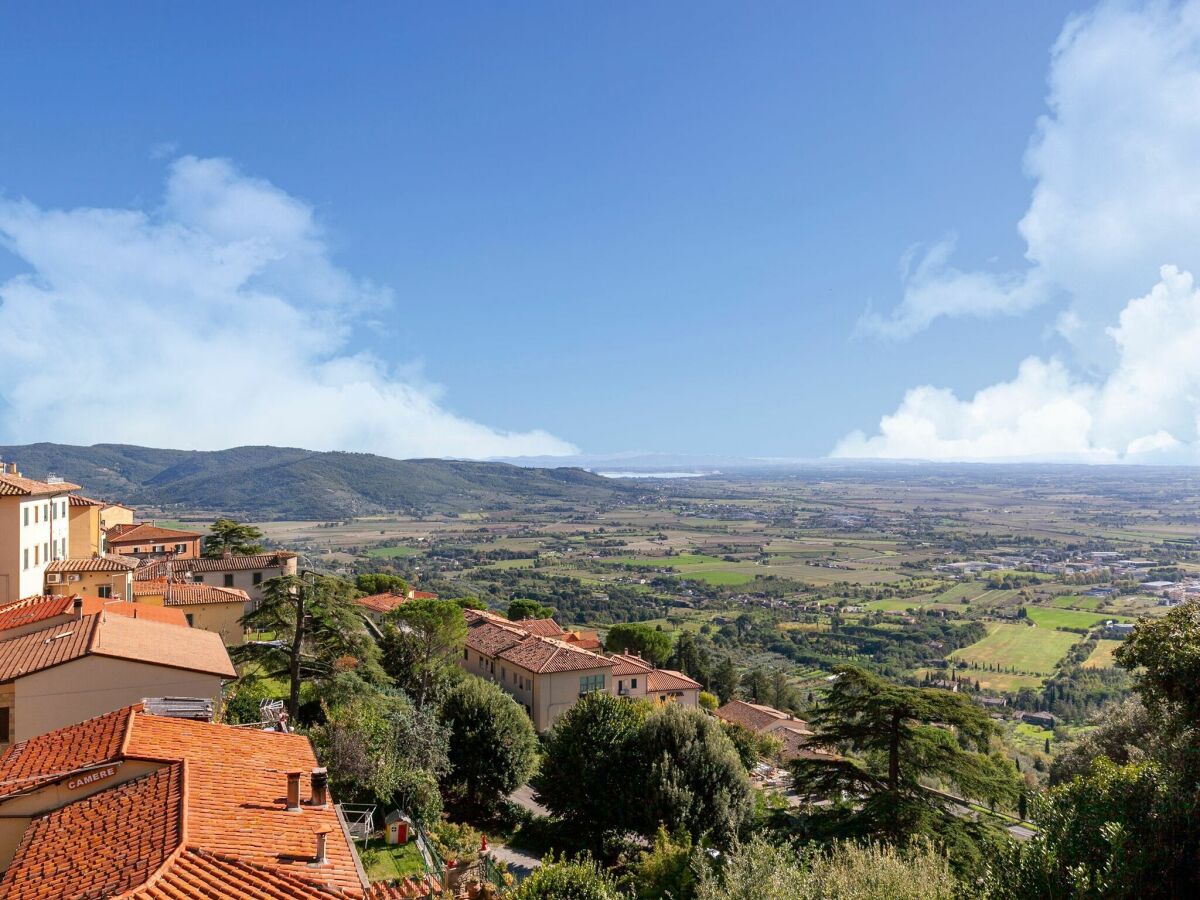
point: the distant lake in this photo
(656, 474)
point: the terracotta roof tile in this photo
(540, 627)
(158, 568)
(109, 562)
(102, 845)
(186, 593)
(147, 533)
(670, 680)
(754, 716)
(120, 636)
(48, 756)
(541, 655)
(80, 500)
(236, 838)
(16, 486)
(28, 610)
(491, 638)
(624, 664)
(382, 603)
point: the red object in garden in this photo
(483, 848)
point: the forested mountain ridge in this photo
(289, 483)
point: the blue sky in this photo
(629, 226)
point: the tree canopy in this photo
(493, 747)
(229, 536)
(900, 735)
(528, 609)
(318, 633)
(422, 642)
(638, 638)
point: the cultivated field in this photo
(1028, 649)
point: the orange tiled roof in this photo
(16, 486)
(382, 603)
(109, 562)
(234, 836)
(113, 840)
(624, 664)
(31, 610)
(542, 655)
(146, 533)
(491, 638)
(118, 636)
(158, 568)
(45, 757)
(422, 595)
(186, 593)
(670, 680)
(540, 627)
(28, 610)
(80, 500)
(754, 716)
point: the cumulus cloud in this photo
(217, 319)
(1115, 206)
(1116, 177)
(1147, 409)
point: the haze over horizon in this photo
(967, 234)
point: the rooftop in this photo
(754, 716)
(187, 593)
(210, 820)
(14, 485)
(160, 568)
(117, 636)
(382, 603)
(108, 562)
(39, 608)
(670, 680)
(147, 533)
(542, 655)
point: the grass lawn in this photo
(1048, 617)
(385, 862)
(1102, 656)
(398, 552)
(718, 576)
(1034, 651)
(1076, 601)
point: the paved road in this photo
(523, 797)
(519, 863)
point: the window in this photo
(27, 515)
(198, 579)
(504, 674)
(46, 512)
(5, 724)
(54, 511)
(256, 578)
(36, 548)
(64, 509)
(181, 548)
(189, 618)
(36, 512)
(590, 683)
(27, 557)
(46, 551)
(158, 548)
(466, 653)
(104, 591)
(229, 580)
(633, 682)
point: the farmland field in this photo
(1076, 601)
(393, 552)
(1029, 650)
(1067, 618)
(1102, 656)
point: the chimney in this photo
(293, 791)
(77, 607)
(320, 787)
(322, 856)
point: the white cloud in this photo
(1116, 166)
(933, 288)
(216, 320)
(1147, 409)
(1116, 170)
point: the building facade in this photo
(34, 530)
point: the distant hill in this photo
(286, 483)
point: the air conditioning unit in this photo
(53, 578)
(74, 576)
